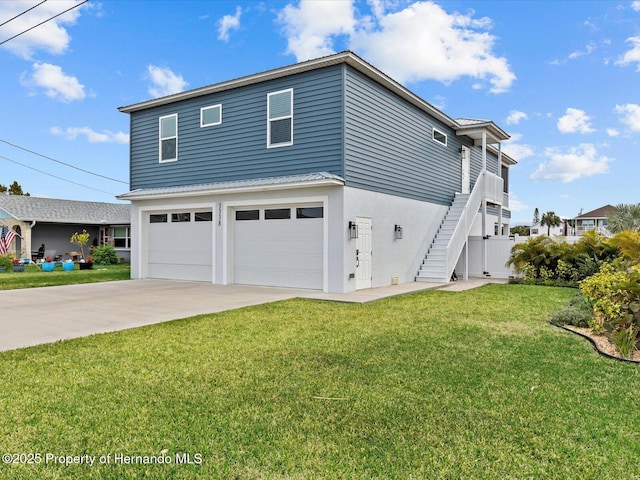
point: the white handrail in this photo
(463, 227)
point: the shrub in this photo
(105, 255)
(6, 262)
(571, 316)
(602, 289)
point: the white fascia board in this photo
(150, 195)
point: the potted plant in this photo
(80, 239)
(68, 265)
(5, 263)
(17, 266)
(85, 264)
(48, 265)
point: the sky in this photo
(561, 77)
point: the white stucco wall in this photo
(391, 257)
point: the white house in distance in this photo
(326, 174)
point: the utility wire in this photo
(63, 163)
(47, 20)
(20, 14)
(55, 176)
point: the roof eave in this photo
(154, 194)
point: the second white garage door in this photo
(280, 246)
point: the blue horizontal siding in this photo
(389, 146)
(237, 149)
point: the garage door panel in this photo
(180, 251)
(284, 253)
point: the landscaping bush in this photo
(105, 255)
(571, 316)
(6, 262)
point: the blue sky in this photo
(561, 77)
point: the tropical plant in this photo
(536, 216)
(550, 219)
(80, 239)
(624, 217)
(521, 230)
(628, 244)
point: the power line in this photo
(20, 14)
(55, 176)
(47, 20)
(63, 163)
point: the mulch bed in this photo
(601, 343)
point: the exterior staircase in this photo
(434, 267)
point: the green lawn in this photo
(468, 385)
(34, 277)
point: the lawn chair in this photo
(38, 255)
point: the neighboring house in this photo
(52, 222)
(594, 220)
(562, 230)
(326, 174)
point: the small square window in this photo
(247, 214)
(158, 218)
(310, 212)
(440, 137)
(203, 216)
(210, 116)
(277, 214)
(180, 217)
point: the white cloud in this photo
(636, 5)
(71, 133)
(630, 115)
(515, 117)
(572, 164)
(51, 37)
(589, 48)
(164, 81)
(311, 27)
(515, 150)
(613, 132)
(633, 55)
(575, 121)
(57, 84)
(228, 23)
(419, 42)
(515, 205)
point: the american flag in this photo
(6, 237)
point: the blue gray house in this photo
(325, 174)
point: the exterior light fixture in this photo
(353, 230)
(397, 231)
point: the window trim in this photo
(269, 119)
(210, 107)
(433, 136)
(161, 138)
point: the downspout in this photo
(502, 192)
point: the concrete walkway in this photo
(42, 315)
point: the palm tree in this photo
(625, 217)
(550, 219)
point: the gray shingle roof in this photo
(64, 211)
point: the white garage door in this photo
(180, 245)
(280, 246)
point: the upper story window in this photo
(439, 137)
(280, 118)
(169, 138)
(210, 116)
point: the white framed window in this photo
(280, 118)
(439, 136)
(210, 116)
(169, 138)
(121, 237)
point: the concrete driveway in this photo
(40, 315)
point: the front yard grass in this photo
(437, 384)
(34, 277)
